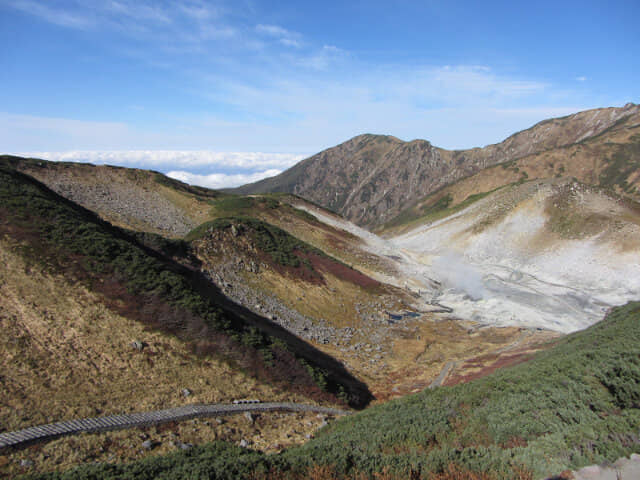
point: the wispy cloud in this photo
(221, 180)
(284, 36)
(52, 14)
(33, 132)
(581, 79)
(323, 58)
(453, 106)
(172, 26)
(138, 11)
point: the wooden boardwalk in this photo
(43, 433)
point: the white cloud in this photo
(138, 11)
(53, 15)
(284, 36)
(581, 79)
(323, 58)
(452, 106)
(164, 27)
(221, 180)
(261, 94)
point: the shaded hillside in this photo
(145, 285)
(371, 178)
(573, 405)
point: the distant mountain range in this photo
(370, 179)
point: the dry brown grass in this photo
(197, 210)
(419, 355)
(65, 355)
(335, 301)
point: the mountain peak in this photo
(371, 178)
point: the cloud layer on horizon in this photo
(174, 159)
(221, 180)
(204, 168)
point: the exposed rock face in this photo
(371, 178)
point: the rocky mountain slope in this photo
(371, 178)
(132, 198)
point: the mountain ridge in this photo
(371, 178)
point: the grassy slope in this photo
(575, 404)
(288, 261)
(282, 248)
(289, 235)
(434, 207)
(65, 355)
(70, 356)
(150, 287)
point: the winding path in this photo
(51, 431)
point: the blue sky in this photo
(219, 92)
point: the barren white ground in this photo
(515, 272)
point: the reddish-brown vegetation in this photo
(342, 271)
(487, 364)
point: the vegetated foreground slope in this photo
(142, 284)
(372, 178)
(573, 405)
(66, 355)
